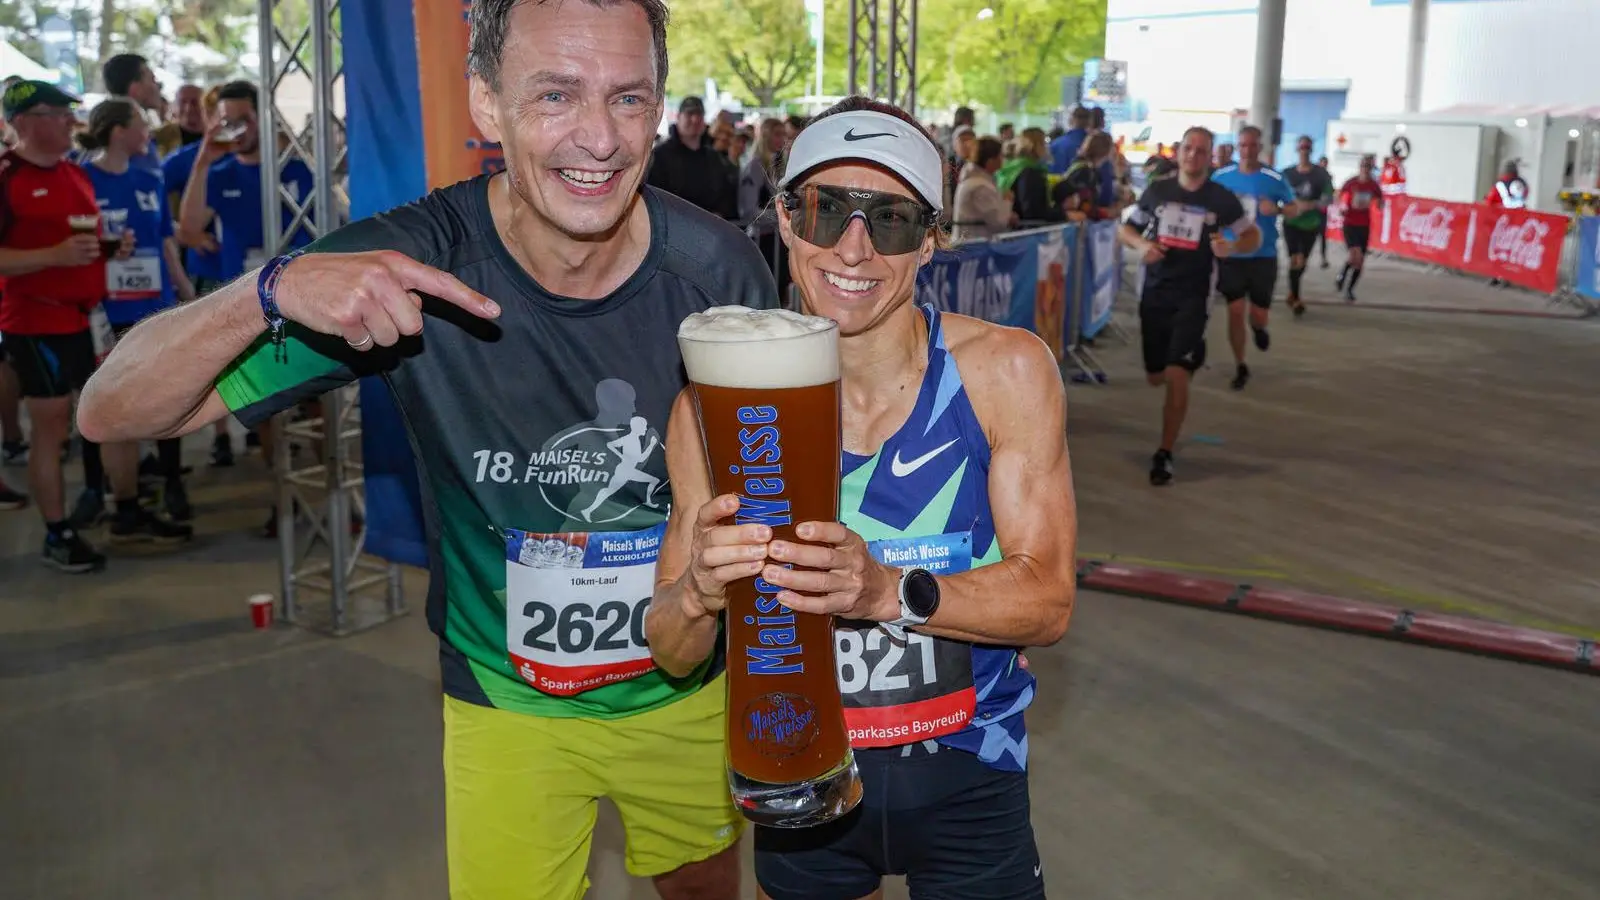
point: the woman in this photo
(1078, 192)
(150, 280)
(1030, 188)
(755, 196)
(954, 443)
(981, 212)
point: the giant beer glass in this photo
(766, 386)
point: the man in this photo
(1322, 239)
(1007, 132)
(201, 261)
(686, 164)
(1064, 149)
(1178, 229)
(1509, 190)
(1313, 189)
(54, 276)
(591, 276)
(1252, 274)
(1224, 156)
(129, 75)
(190, 114)
(1357, 198)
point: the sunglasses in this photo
(821, 213)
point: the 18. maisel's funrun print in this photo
(922, 501)
(539, 437)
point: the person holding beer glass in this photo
(144, 283)
(55, 271)
(953, 548)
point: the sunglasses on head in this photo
(821, 213)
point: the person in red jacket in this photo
(1510, 191)
(1357, 199)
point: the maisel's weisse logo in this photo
(779, 724)
(763, 503)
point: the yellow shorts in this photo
(521, 792)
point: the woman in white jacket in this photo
(981, 211)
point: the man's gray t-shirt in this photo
(545, 426)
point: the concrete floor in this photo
(155, 746)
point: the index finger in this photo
(415, 276)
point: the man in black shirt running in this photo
(1177, 229)
(1313, 189)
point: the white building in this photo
(1347, 58)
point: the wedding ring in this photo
(361, 343)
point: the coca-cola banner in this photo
(1517, 246)
(1431, 231)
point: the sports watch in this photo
(919, 597)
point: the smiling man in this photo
(537, 418)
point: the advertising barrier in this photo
(1587, 282)
(1517, 246)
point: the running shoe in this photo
(10, 499)
(69, 552)
(1241, 377)
(143, 525)
(1263, 340)
(1161, 468)
(14, 453)
(175, 502)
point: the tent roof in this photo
(15, 62)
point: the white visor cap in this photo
(872, 137)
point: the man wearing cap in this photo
(54, 276)
(686, 164)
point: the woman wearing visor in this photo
(954, 446)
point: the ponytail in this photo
(108, 116)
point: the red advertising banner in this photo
(455, 149)
(1517, 246)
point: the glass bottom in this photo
(802, 804)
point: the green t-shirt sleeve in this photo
(267, 379)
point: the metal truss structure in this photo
(317, 456)
(883, 51)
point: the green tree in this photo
(1013, 57)
(760, 46)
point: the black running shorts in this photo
(956, 828)
(1255, 278)
(1173, 335)
(1355, 236)
(51, 365)
(1301, 241)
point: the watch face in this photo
(922, 593)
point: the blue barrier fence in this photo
(1587, 281)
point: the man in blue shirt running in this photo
(1264, 194)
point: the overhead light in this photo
(1522, 123)
(1573, 133)
(1400, 127)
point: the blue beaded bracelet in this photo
(266, 292)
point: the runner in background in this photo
(1252, 275)
(147, 282)
(1322, 239)
(201, 260)
(1313, 190)
(1357, 198)
(1178, 228)
(13, 449)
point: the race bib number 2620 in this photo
(575, 607)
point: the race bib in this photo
(575, 606)
(101, 334)
(1360, 200)
(1180, 227)
(1252, 206)
(900, 687)
(136, 278)
(254, 258)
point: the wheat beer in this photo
(766, 387)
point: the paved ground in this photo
(155, 747)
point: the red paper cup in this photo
(261, 610)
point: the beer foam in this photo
(735, 346)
